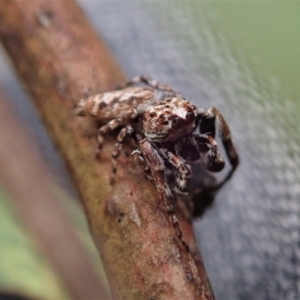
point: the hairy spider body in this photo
(163, 124)
(161, 115)
(109, 106)
(169, 120)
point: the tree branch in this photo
(21, 169)
(60, 60)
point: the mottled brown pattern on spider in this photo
(169, 120)
(159, 117)
(107, 106)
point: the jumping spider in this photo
(160, 118)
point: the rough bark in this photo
(60, 60)
(21, 169)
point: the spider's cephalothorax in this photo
(166, 126)
(169, 120)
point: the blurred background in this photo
(243, 58)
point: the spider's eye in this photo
(190, 117)
(176, 123)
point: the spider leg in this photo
(128, 130)
(211, 156)
(183, 173)
(139, 159)
(151, 82)
(157, 166)
(211, 120)
(121, 119)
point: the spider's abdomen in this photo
(108, 106)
